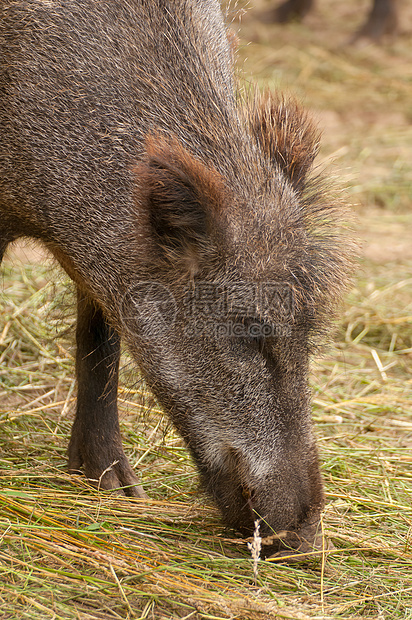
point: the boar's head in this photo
(246, 265)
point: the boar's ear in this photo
(286, 135)
(180, 196)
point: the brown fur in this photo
(183, 197)
(287, 135)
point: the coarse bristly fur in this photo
(194, 227)
(290, 140)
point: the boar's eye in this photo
(260, 335)
(256, 332)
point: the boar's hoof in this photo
(108, 474)
(120, 477)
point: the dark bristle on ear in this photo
(287, 135)
(178, 192)
(175, 211)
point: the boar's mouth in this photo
(290, 545)
(224, 484)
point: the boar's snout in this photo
(283, 493)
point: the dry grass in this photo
(68, 551)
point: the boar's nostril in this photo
(248, 493)
(250, 497)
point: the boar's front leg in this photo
(95, 444)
